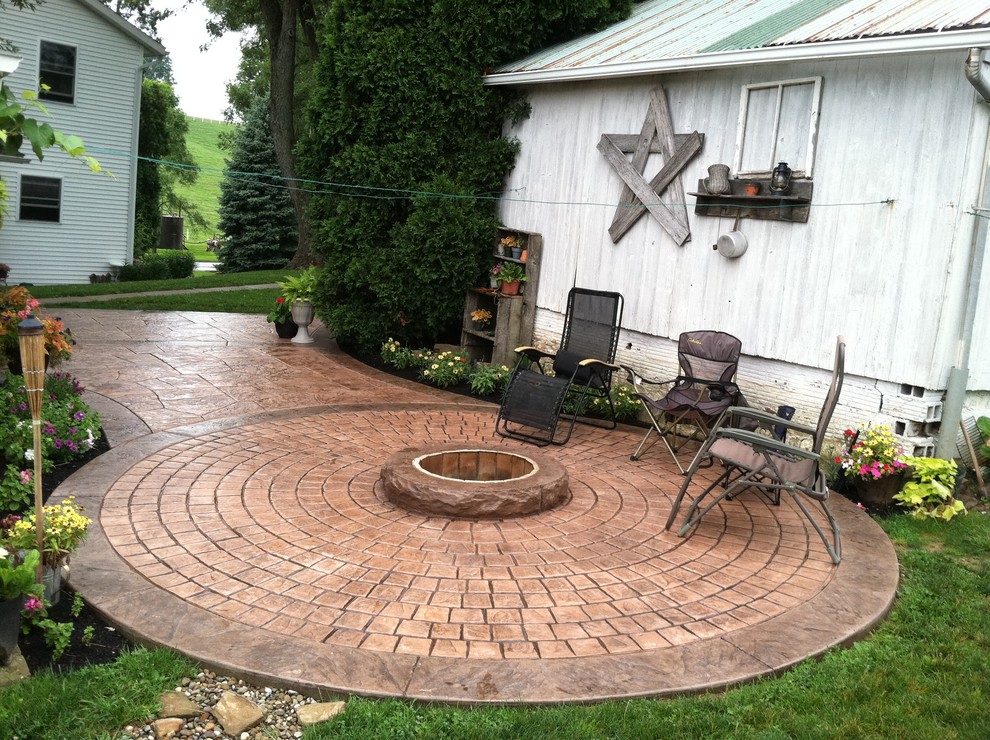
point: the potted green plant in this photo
(281, 316)
(298, 291)
(874, 464)
(510, 277)
(17, 580)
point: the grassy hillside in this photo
(202, 141)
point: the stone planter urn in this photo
(302, 315)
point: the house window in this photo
(41, 199)
(778, 122)
(58, 71)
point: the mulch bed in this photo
(106, 643)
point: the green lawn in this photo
(202, 141)
(201, 280)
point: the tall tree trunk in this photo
(281, 18)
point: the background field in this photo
(203, 142)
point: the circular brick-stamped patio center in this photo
(273, 549)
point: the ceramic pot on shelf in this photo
(511, 288)
(717, 182)
(516, 253)
(302, 315)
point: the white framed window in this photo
(40, 199)
(778, 122)
(57, 70)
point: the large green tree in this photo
(403, 127)
(279, 23)
(165, 161)
(256, 214)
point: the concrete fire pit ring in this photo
(471, 483)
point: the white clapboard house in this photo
(880, 111)
(64, 222)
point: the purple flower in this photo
(79, 415)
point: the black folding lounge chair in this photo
(766, 464)
(697, 397)
(581, 369)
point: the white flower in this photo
(3, 553)
(90, 439)
(29, 454)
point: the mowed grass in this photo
(256, 301)
(202, 140)
(202, 280)
(94, 702)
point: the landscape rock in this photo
(311, 714)
(167, 727)
(15, 670)
(177, 704)
(237, 714)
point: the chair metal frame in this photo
(582, 367)
(768, 465)
(696, 393)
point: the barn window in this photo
(58, 71)
(41, 199)
(778, 122)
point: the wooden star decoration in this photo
(663, 195)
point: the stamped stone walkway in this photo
(240, 521)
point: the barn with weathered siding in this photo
(64, 222)
(874, 108)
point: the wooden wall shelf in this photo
(513, 316)
(794, 207)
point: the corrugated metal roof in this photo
(665, 29)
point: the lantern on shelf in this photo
(780, 180)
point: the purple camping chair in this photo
(696, 398)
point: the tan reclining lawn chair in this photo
(767, 465)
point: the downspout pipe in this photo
(978, 73)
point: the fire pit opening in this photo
(476, 465)
(473, 483)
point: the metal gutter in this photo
(978, 74)
(848, 49)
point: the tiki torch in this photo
(32, 341)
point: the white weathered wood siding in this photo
(96, 228)
(889, 277)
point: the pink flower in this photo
(34, 604)
(25, 476)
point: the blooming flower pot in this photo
(302, 314)
(286, 329)
(10, 627)
(878, 493)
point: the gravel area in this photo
(205, 690)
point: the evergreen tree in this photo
(256, 215)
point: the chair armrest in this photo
(768, 443)
(749, 412)
(635, 378)
(532, 353)
(593, 361)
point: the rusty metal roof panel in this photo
(872, 18)
(666, 29)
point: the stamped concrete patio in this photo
(239, 520)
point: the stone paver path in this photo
(241, 521)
